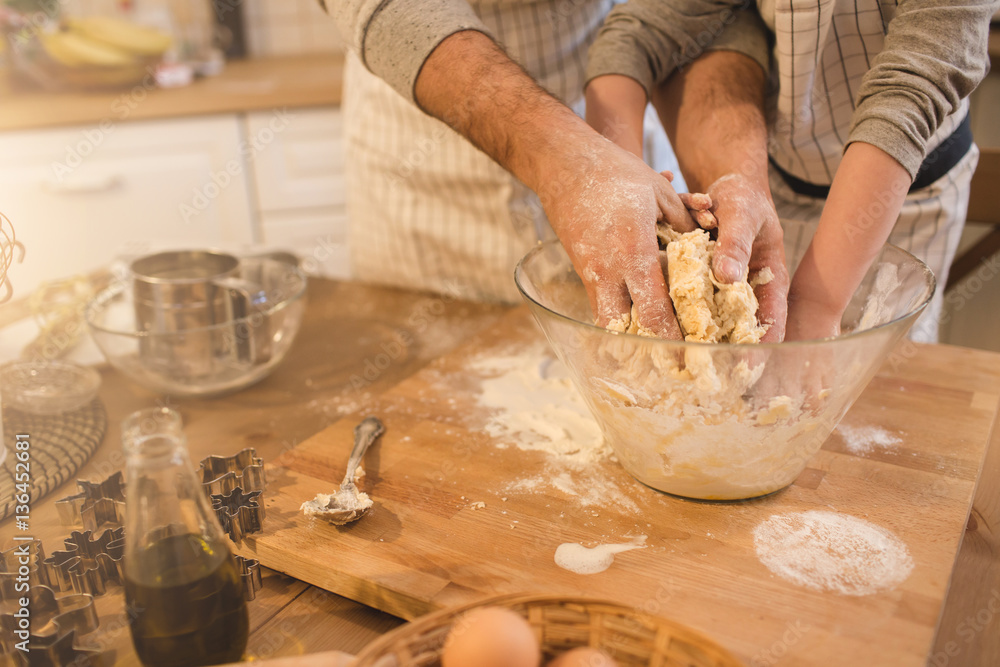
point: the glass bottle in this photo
(183, 591)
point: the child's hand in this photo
(810, 320)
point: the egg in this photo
(491, 637)
(584, 657)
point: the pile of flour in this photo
(826, 551)
(533, 406)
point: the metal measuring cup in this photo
(199, 313)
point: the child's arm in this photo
(918, 80)
(864, 202)
(712, 106)
(615, 108)
(644, 41)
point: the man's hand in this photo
(713, 112)
(750, 240)
(606, 218)
(602, 201)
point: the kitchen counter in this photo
(347, 325)
(244, 85)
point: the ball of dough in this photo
(491, 637)
(584, 657)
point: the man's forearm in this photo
(713, 112)
(472, 85)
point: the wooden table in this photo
(344, 330)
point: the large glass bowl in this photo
(206, 360)
(721, 421)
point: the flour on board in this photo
(534, 406)
(827, 551)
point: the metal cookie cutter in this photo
(55, 622)
(250, 574)
(222, 474)
(239, 513)
(52, 617)
(95, 505)
(88, 564)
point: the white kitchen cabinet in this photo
(299, 160)
(299, 181)
(318, 237)
(79, 197)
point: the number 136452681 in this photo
(22, 481)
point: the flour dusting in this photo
(535, 407)
(867, 439)
(826, 551)
(589, 488)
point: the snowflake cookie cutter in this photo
(239, 513)
(88, 564)
(221, 474)
(97, 504)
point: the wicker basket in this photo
(632, 638)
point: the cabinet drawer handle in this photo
(83, 184)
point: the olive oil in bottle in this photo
(185, 604)
(183, 592)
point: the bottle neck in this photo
(163, 493)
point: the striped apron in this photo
(822, 50)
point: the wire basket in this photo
(633, 638)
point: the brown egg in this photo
(584, 657)
(491, 637)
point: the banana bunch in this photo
(103, 41)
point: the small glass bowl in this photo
(47, 387)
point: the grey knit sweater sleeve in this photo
(394, 37)
(648, 40)
(935, 54)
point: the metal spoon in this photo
(348, 504)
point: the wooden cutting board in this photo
(425, 545)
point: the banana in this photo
(131, 37)
(75, 50)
